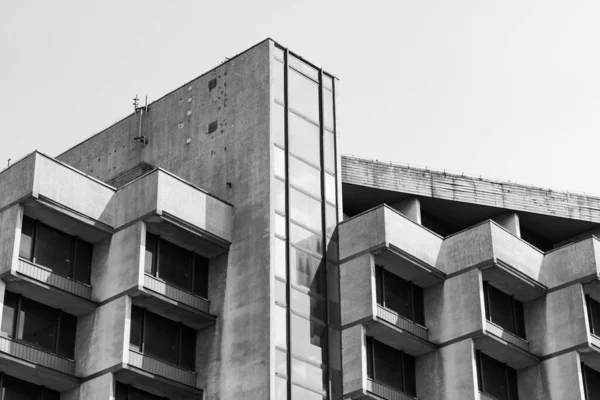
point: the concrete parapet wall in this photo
(354, 359)
(558, 378)
(357, 284)
(571, 262)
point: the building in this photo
(215, 245)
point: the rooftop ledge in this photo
(60, 195)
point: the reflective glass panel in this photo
(280, 258)
(328, 110)
(308, 306)
(280, 292)
(308, 375)
(278, 53)
(299, 393)
(8, 313)
(27, 232)
(278, 82)
(305, 176)
(175, 265)
(330, 218)
(307, 270)
(279, 158)
(281, 362)
(330, 188)
(280, 322)
(161, 338)
(305, 239)
(327, 82)
(280, 225)
(304, 139)
(54, 250)
(303, 95)
(308, 339)
(333, 288)
(329, 151)
(280, 388)
(279, 194)
(303, 67)
(38, 324)
(279, 125)
(305, 210)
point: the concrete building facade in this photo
(215, 245)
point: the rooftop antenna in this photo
(140, 138)
(8, 162)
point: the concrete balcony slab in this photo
(505, 347)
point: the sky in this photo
(504, 89)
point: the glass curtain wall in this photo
(306, 312)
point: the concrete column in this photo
(410, 208)
(510, 222)
(558, 378)
(354, 360)
(357, 288)
(99, 388)
(11, 220)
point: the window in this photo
(504, 310)
(162, 338)
(176, 265)
(391, 367)
(594, 315)
(591, 382)
(16, 389)
(496, 379)
(126, 392)
(39, 325)
(64, 254)
(399, 295)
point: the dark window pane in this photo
(410, 383)
(486, 301)
(501, 311)
(135, 336)
(387, 365)
(493, 377)
(305, 176)
(306, 239)
(66, 335)
(39, 324)
(303, 95)
(397, 294)
(9, 313)
(519, 319)
(54, 250)
(594, 311)
(370, 357)
(307, 270)
(304, 139)
(201, 276)
(175, 265)
(27, 231)
(305, 210)
(308, 339)
(150, 259)
(83, 262)
(418, 306)
(513, 389)
(121, 391)
(50, 394)
(136, 394)
(16, 389)
(592, 382)
(379, 284)
(188, 348)
(161, 338)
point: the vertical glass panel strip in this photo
(304, 140)
(308, 375)
(279, 194)
(305, 176)
(330, 188)
(329, 151)
(305, 210)
(305, 239)
(279, 225)
(303, 67)
(308, 339)
(280, 292)
(307, 271)
(279, 161)
(309, 306)
(281, 392)
(278, 82)
(299, 393)
(280, 362)
(280, 257)
(303, 94)
(278, 125)
(328, 110)
(280, 326)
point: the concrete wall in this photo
(558, 378)
(229, 162)
(354, 359)
(117, 263)
(10, 237)
(362, 232)
(470, 247)
(16, 182)
(357, 285)
(556, 321)
(571, 262)
(103, 337)
(455, 308)
(99, 388)
(448, 373)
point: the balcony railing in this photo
(484, 396)
(48, 277)
(161, 368)
(402, 323)
(36, 356)
(386, 392)
(181, 296)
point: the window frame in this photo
(143, 336)
(517, 309)
(380, 295)
(195, 266)
(44, 393)
(372, 368)
(591, 305)
(507, 375)
(18, 327)
(76, 242)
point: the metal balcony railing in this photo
(402, 323)
(46, 276)
(386, 392)
(181, 296)
(161, 368)
(36, 356)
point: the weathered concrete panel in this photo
(448, 373)
(357, 285)
(10, 237)
(455, 308)
(354, 359)
(571, 262)
(99, 388)
(556, 321)
(117, 263)
(558, 378)
(362, 232)
(102, 337)
(16, 182)
(516, 252)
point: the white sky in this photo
(508, 89)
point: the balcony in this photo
(178, 210)
(385, 392)
(157, 367)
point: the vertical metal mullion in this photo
(324, 229)
(288, 313)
